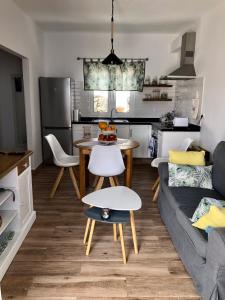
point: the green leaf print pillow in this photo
(190, 176)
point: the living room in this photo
(57, 254)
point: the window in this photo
(123, 101)
(100, 101)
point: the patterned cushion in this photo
(190, 176)
(204, 206)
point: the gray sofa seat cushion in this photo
(218, 172)
(198, 237)
(186, 196)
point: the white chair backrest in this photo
(185, 144)
(106, 161)
(56, 148)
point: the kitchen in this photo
(175, 103)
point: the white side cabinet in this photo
(123, 131)
(168, 140)
(141, 134)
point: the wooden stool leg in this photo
(116, 180)
(122, 244)
(87, 230)
(99, 184)
(156, 183)
(155, 197)
(57, 181)
(90, 237)
(133, 229)
(74, 182)
(112, 182)
(115, 232)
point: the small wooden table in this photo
(85, 146)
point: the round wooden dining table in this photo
(85, 145)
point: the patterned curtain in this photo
(126, 77)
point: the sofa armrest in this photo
(214, 273)
(163, 172)
(216, 247)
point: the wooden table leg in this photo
(82, 174)
(129, 168)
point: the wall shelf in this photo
(158, 85)
(157, 99)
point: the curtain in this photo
(126, 77)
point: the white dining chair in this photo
(186, 143)
(62, 160)
(106, 161)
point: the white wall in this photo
(19, 34)
(61, 50)
(210, 63)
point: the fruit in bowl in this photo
(107, 137)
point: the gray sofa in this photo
(202, 254)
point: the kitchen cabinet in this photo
(141, 134)
(81, 131)
(123, 131)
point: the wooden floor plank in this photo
(52, 265)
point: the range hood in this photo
(186, 70)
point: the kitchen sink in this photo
(119, 121)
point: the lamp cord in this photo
(112, 26)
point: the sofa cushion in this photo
(197, 236)
(187, 196)
(218, 173)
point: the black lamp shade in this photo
(112, 59)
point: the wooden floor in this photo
(51, 263)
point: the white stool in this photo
(119, 198)
(62, 160)
(155, 164)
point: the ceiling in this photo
(130, 15)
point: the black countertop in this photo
(155, 122)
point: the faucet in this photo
(111, 115)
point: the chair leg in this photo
(122, 244)
(95, 181)
(133, 229)
(156, 183)
(111, 181)
(87, 230)
(116, 180)
(90, 237)
(57, 181)
(115, 232)
(99, 184)
(155, 197)
(74, 181)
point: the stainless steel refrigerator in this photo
(57, 95)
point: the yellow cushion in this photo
(214, 218)
(192, 158)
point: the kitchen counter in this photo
(155, 122)
(10, 161)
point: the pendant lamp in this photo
(112, 58)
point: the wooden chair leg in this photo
(116, 180)
(111, 181)
(74, 181)
(155, 197)
(87, 230)
(90, 237)
(99, 184)
(95, 181)
(133, 229)
(57, 181)
(115, 232)
(156, 183)
(122, 244)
